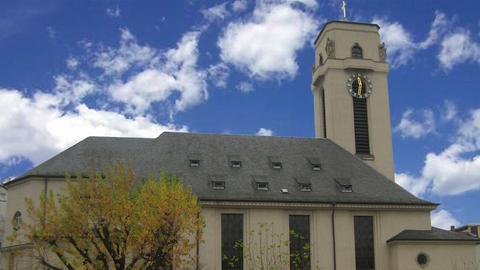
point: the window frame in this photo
(357, 54)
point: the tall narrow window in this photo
(357, 51)
(360, 118)
(364, 250)
(232, 240)
(324, 116)
(299, 242)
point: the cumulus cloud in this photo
(253, 45)
(217, 12)
(457, 48)
(443, 219)
(239, 5)
(52, 33)
(450, 111)
(72, 63)
(218, 74)
(245, 87)
(37, 127)
(454, 170)
(416, 128)
(177, 74)
(113, 12)
(130, 54)
(439, 26)
(264, 132)
(416, 186)
(400, 42)
(72, 90)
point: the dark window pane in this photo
(360, 118)
(299, 242)
(232, 240)
(364, 251)
(357, 52)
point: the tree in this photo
(113, 221)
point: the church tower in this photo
(350, 92)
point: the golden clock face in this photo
(359, 85)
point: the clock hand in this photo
(359, 86)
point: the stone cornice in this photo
(339, 206)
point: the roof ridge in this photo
(239, 135)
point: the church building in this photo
(337, 191)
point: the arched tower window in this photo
(357, 51)
(321, 59)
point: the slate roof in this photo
(435, 234)
(170, 152)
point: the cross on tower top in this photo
(344, 9)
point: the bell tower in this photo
(350, 92)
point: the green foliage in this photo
(111, 221)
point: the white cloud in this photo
(245, 87)
(36, 127)
(439, 26)
(72, 90)
(264, 132)
(130, 54)
(416, 186)
(266, 45)
(218, 12)
(443, 219)
(177, 74)
(218, 74)
(457, 48)
(456, 169)
(416, 128)
(113, 12)
(52, 33)
(398, 41)
(239, 5)
(450, 110)
(72, 63)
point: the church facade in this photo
(336, 190)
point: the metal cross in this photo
(344, 8)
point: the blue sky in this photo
(72, 69)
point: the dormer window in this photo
(217, 182)
(304, 184)
(344, 185)
(236, 164)
(346, 188)
(314, 163)
(357, 51)
(218, 185)
(305, 187)
(262, 186)
(260, 183)
(194, 160)
(235, 161)
(275, 162)
(194, 163)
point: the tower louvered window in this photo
(360, 118)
